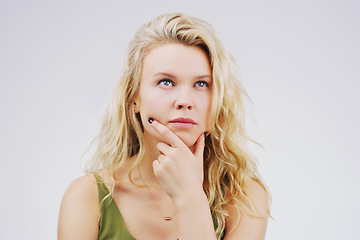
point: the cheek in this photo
(205, 104)
(152, 105)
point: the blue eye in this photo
(165, 82)
(202, 84)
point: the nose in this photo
(180, 106)
(184, 100)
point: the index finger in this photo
(168, 135)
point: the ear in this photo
(136, 104)
(136, 110)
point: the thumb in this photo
(199, 147)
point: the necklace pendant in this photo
(167, 218)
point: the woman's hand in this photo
(179, 171)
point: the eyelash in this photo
(206, 84)
(163, 81)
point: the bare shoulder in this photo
(79, 210)
(248, 226)
(259, 195)
(82, 185)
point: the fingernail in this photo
(150, 120)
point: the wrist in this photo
(191, 199)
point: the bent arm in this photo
(79, 211)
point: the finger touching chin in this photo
(149, 129)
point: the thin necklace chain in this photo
(166, 218)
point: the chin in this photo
(189, 141)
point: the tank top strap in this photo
(104, 193)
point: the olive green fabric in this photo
(112, 225)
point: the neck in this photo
(146, 163)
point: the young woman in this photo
(171, 160)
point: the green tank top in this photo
(111, 225)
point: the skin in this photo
(175, 82)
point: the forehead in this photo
(176, 59)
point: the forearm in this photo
(195, 221)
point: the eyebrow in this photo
(164, 74)
(173, 76)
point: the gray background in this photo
(299, 62)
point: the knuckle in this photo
(160, 171)
(161, 158)
(158, 145)
(173, 153)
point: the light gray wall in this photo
(300, 63)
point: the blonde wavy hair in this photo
(228, 164)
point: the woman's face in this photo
(175, 89)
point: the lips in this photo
(183, 123)
(183, 120)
